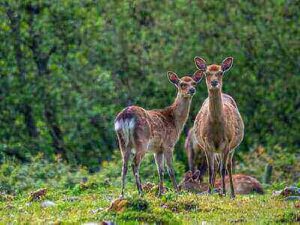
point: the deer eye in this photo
(194, 83)
(182, 85)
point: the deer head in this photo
(213, 73)
(186, 85)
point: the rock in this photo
(28, 203)
(71, 199)
(288, 191)
(118, 205)
(94, 211)
(47, 203)
(292, 198)
(107, 223)
(276, 193)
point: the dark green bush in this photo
(67, 69)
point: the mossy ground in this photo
(91, 203)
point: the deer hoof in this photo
(222, 194)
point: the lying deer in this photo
(157, 131)
(243, 184)
(218, 127)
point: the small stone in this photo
(47, 203)
(28, 203)
(288, 191)
(291, 191)
(118, 205)
(94, 211)
(107, 223)
(276, 193)
(292, 198)
(71, 199)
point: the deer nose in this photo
(214, 83)
(192, 91)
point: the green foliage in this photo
(15, 178)
(68, 67)
(81, 197)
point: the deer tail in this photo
(125, 126)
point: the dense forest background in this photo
(68, 67)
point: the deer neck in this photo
(181, 109)
(216, 114)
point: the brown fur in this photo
(155, 131)
(196, 157)
(218, 127)
(243, 184)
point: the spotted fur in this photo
(140, 131)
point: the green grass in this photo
(184, 208)
(93, 198)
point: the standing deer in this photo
(140, 131)
(218, 127)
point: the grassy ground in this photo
(86, 203)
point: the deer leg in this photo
(159, 159)
(232, 194)
(169, 161)
(223, 171)
(136, 168)
(126, 156)
(202, 166)
(191, 158)
(125, 151)
(211, 172)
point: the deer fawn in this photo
(140, 131)
(196, 157)
(218, 127)
(243, 184)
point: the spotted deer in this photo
(218, 127)
(140, 131)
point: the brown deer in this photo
(196, 157)
(243, 184)
(157, 131)
(218, 127)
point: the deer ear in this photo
(198, 75)
(188, 175)
(196, 175)
(200, 63)
(227, 64)
(173, 78)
